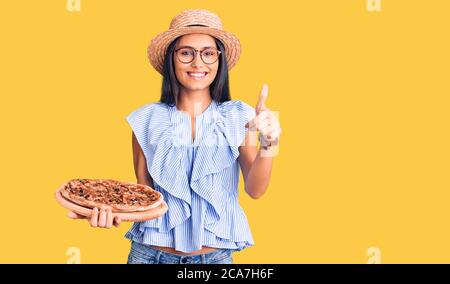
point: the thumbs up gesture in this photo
(265, 122)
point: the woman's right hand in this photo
(103, 218)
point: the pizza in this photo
(119, 196)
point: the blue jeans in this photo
(144, 254)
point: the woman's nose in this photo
(197, 60)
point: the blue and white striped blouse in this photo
(199, 179)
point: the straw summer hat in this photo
(190, 22)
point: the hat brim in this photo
(158, 46)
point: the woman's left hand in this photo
(265, 121)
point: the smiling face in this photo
(196, 75)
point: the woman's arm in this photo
(256, 168)
(256, 163)
(140, 164)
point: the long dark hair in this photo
(219, 88)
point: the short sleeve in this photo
(139, 121)
(235, 115)
(249, 113)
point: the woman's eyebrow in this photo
(194, 47)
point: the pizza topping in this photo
(110, 192)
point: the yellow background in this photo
(363, 99)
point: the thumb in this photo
(74, 215)
(117, 221)
(261, 105)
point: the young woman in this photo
(191, 146)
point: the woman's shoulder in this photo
(234, 105)
(151, 107)
(149, 122)
(149, 110)
(153, 115)
(233, 108)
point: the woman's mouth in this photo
(197, 75)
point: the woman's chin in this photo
(196, 86)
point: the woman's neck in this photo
(194, 102)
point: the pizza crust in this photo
(138, 216)
(117, 195)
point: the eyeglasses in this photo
(208, 55)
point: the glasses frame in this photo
(195, 54)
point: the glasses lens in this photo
(210, 55)
(186, 54)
